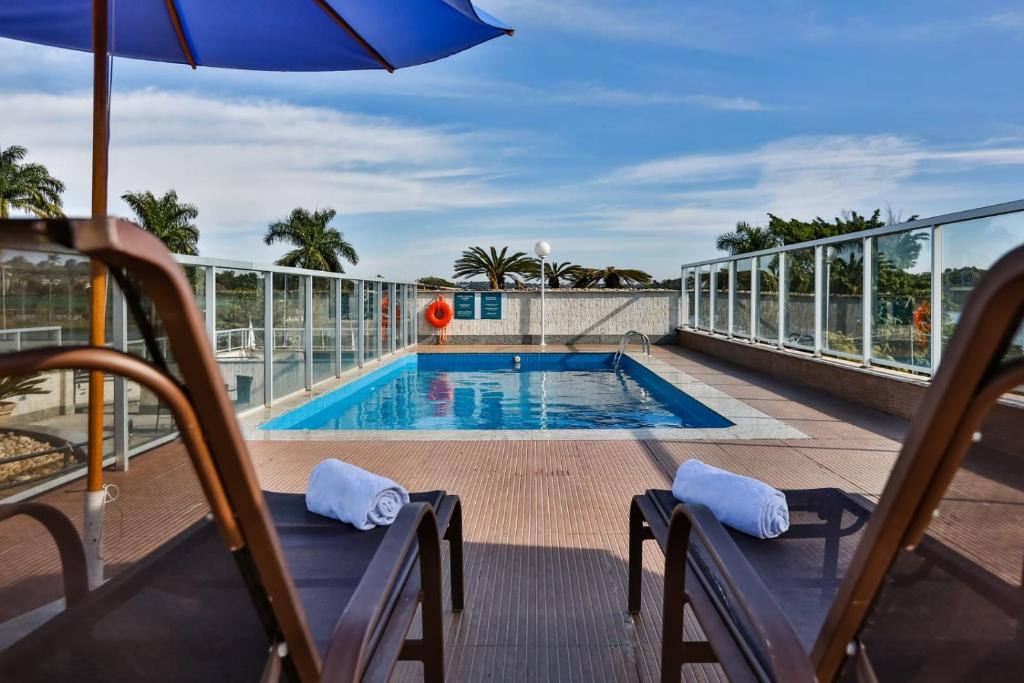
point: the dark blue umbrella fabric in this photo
(265, 35)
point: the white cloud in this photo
(247, 162)
(705, 194)
(600, 95)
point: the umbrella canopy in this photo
(265, 35)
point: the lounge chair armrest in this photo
(788, 659)
(69, 545)
(350, 647)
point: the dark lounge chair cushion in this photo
(328, 558)
(801, 568)
(183, 613)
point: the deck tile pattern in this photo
(545, 522)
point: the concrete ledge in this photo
(512, 339)
(886, 390)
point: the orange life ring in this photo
(923, 318)
(923, 324)
(439, 313)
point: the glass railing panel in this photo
(768, 299)
(44, 300)
(901, 283)
(387, 317)
(842, 312)
(44, 427)
(399, 316)
(968, 250)
(288, 345)
(349, 325)
(799, 313)
(704, 298)
(239, 335)
(148, 418)
(721, 298)
(196, 276)
(688, 305)
(741, 299)
(371, 319)
(324, 315)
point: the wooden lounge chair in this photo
(859, 592)
(259, 590)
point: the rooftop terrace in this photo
(546, 521)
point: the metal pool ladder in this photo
(645, 342)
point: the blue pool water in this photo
(487, 391)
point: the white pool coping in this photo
(748, 422)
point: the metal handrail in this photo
(645, 343)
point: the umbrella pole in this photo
(94, 493)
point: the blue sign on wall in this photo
(465, 306)
(490, 306)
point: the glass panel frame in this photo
(901, 292)
(842, 305)
(742, 294)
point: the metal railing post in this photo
(378, 316)
(360, 322)
(307, 329)
(867, 306)
(210, 292)
(936, 303)
(755, 281)
(732, 297)
(337, 326)
(268, 339)
(683, 306)
(712, 297)
(392, 325)
(119, 334)
(414, 311)
(782, 300)
(819, 271)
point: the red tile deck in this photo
(546, 523)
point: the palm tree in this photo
(556, 272)
(167, 218)
(612, 277)
(317, 245)
(495, 266)
(28, 187)
(747, 238)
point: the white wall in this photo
(573, 316)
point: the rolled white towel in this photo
(745, 504)
(351, 494)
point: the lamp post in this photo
(542, 249)
(830, 256)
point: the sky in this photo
(623, 133)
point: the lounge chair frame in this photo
(971, 379)
(362, 645)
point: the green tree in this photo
(794, 230)
(171, 220)
(317, 245)
(28, 187)
(746, 238)
(556, 273)
(612, 277)
(432, 282)
(494, 265)
(781, 231)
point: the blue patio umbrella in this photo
(265, 35)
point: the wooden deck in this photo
(546, 523)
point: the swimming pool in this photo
(490, 391)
